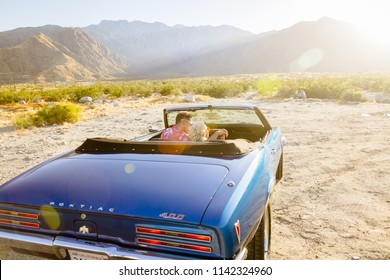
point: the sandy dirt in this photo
(333, 202)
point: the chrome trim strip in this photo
(111, 250)
(242, 255)
(37, 239)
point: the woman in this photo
(199, 132)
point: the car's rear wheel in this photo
(259, 247)
(279, 171)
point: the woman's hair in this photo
(197, 131)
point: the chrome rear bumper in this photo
(57, 246)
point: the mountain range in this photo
(128, 50)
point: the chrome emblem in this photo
(81, 206)
(84, 230)
(172, 216)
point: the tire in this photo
(279, 171)
(259, 248)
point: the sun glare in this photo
(376, 29)
(370, 16)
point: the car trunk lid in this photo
(150, 189)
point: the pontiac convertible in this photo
(152, 198)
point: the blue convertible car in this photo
(150, 198)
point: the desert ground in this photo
(332, 203)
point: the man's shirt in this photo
(175, 133)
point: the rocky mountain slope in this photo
(152, 48)
(54, 53)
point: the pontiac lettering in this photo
(79, 206)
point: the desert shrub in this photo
(77, 92)
(141, 90)
(353, 96)
(54, 96)
(170, 89)
(221, 89)
(330, 88)
(268, 86)
(7, 96)
(321, 87)
(113, 91)
(23, 121)
(373, 82)
(322, 91)
(286, 91)
(13, 96)
(50, 115)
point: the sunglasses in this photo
(189, 122)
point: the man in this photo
(179, 131)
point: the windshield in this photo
(220, 116)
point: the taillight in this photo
(174, 245)
(19, 223)
(183, 235)
(17, 218)
(173, 239)
(19, 214)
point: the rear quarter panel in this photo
(254, 177)
(244, 203)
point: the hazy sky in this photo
(252, 15)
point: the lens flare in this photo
(51, 217)
(130, 168)
(307, 60)
(167, 148)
